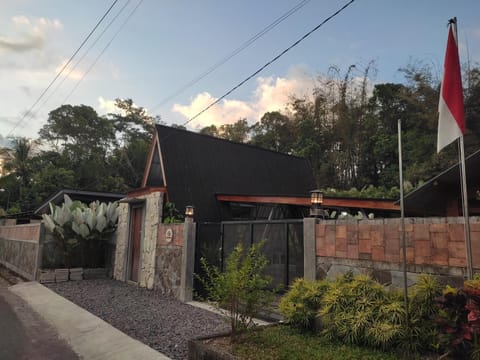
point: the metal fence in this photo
(283, 246)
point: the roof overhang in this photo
(430, 198)
(374, 204)
(145, 191)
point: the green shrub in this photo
(242, 289)
(421, 331)
(300, 304)
(359, 311)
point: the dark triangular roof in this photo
(431, 198)
(195, 167)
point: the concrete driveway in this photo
(23, 333)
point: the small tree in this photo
(242, 289)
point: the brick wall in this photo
(19, 248)
(435, 245)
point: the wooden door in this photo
(135, 237)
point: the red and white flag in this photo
(451, 121)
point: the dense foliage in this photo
(356, 310)
(347, 129)
(80, 150)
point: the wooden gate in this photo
(135, 242)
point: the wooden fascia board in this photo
(361, 203)
(155, 146)
(160, 156)
(305, 201)
(265, 199)
(149, 159)
(146, 190)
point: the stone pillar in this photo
(121, 243)
(309, 249)
(188, 261)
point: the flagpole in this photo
(402, 217)
(463, 181)
(463, 177)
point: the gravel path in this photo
(162, 323)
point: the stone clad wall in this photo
(152, 217)
(19, 248)
(169, 258)
(433, 245)
(121, 250)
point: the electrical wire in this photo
(84, 55)
(270, 62)
(102, 52)
(233, 53)
(29, 111)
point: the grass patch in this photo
(287, 343)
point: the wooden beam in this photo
(146, 190)
(149, 158)
(265, 199)
(305, 201)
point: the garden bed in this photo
(276, 343)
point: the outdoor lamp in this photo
(316, 198)
(316, 201)
(189, 211)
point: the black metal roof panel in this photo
(197, 167)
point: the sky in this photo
(155, 48)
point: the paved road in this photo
(24, 335)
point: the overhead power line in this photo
(270, 62)
(63, 68)
(233, 53)
(102, 52)
(85, 54)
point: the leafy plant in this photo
(301, 303)
(359, 311)
(421, 330)
(76, 224)
(242, 289)
(459, 319)
(172, 215)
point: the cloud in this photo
(69, 72)
(107, 106)
(27, 42)
(20, 20)
(55, 23)
(270, 94)
(225, 112)
(28, 34)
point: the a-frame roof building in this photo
(194, 168)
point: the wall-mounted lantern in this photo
(316, 201)
(189, 212)
(316, 198)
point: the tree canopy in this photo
(347, 129)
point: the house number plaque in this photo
(168, 235)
